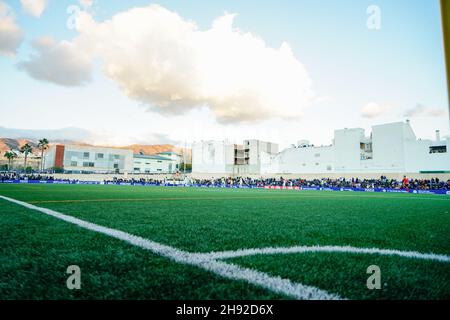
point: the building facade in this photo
(390, 148)
(252, 157)
(87, 159)
(155, 164)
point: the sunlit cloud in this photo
(165, 61)
(11, 35)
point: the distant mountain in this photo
(158, 148)
(15, 138)
(15, 144)
(7, 144)
(59, 135)
(154, 149)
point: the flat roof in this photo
(138, 156)
(169, 152)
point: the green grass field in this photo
(36, 249)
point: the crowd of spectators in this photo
(116, 180)
(382, 182)
(4, 176)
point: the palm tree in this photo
(42, 145)
(10, 155)
(26, 149)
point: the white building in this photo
(77, 159)
(252, 157)
(390, 148)
(155, 164)
(89, 159)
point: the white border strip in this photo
(328, 249)
(226, 270)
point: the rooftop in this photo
(156, 157)
(169, 153)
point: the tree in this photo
(42, 145)
(58, 170)
(26, 149)
(185, 167)
(10, 155)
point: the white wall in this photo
(395, 150)
(269, 163)
(347, 149)
(212, 157)
(74, 153)
(419, 158)
(178, 158)
(260, 155)
(50, 157)
(388, 144)
(306, 160)
(151, 165)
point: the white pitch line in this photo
(328, 249)
(226, 270)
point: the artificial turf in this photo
(37, 248)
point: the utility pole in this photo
(184, 157)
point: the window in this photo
(137, 169)
(100, 155)
(438, 149)
(329, 168)
(88, 164)
(86, 155)
(211, 151)
(317, 155)
(116, 156)
(73, 164)
(116, 166)
(159, 161)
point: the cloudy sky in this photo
(173, 71)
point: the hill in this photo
(15, 144)
(7, 144)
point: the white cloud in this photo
(324, 100)
(86, 3)
(421, 110)
(158, 58)
(34, 7)
(62, 63)
(11, 35)
(374, 110)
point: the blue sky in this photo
(398, 69)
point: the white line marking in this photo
(226, 270)
(333, 249)
(209, 261)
